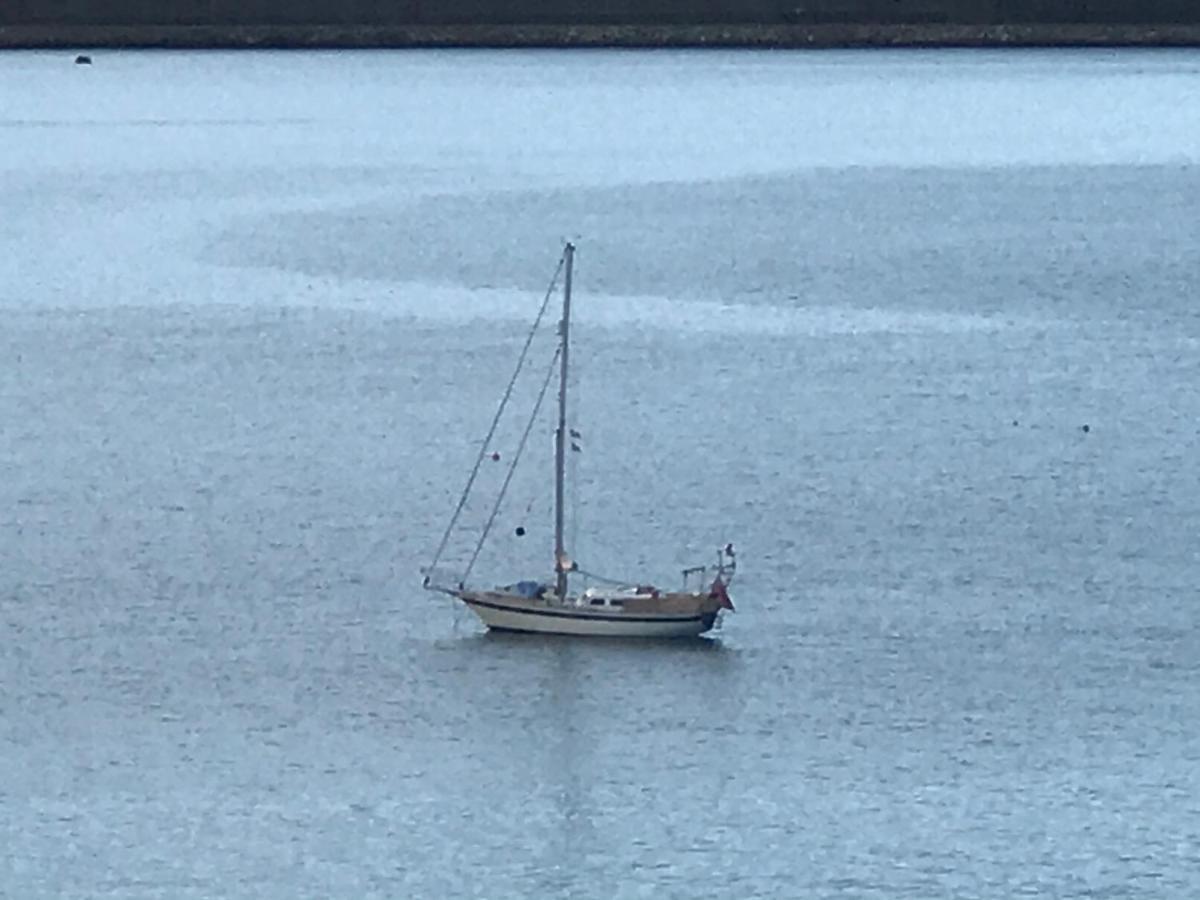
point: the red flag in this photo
(719, 593)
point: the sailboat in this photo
(614, 608)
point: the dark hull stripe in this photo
(599, 617)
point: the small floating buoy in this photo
(83, 60)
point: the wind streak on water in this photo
(444, 305)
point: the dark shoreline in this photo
(566, 36)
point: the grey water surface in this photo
(916, 331)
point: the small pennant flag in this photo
(720, 594)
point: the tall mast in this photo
(560, 436)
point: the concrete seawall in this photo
(592, 35)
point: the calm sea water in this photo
(850, 311)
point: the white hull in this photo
(499, 612)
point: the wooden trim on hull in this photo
(584, 622)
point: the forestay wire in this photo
(512, 468)
(462, 501)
